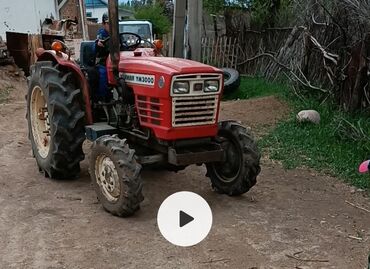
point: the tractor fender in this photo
(63, 60)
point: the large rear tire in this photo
(55, 120)
(115, 174)
(238, 173)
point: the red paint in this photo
(62, 59)
(148, 64)
(166, 67)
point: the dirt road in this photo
(59, 224)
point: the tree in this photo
(270, 13)
(219, 6)
(126, 5)
(156, 15)
(264, 13)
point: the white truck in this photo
(142, 28)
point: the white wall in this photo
(25, 16)
(97, 13)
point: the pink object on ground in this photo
(364, 167)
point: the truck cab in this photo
(142, 28)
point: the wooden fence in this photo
(220, 51)
(254, 43)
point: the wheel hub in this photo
(229, 169)
(107, 178)
(40, 124)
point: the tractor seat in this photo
(87, 54)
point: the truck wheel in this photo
(115, 174)
(55, 121)
(239, 171)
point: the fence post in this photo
(195, 13)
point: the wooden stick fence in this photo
(220, 51)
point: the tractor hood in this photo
(146, 64)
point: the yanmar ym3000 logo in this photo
(141, 79)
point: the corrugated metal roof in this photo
(95, 3)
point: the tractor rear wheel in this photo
(115, 174)
(56, 120)
(237, 174)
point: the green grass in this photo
(336, 147)
(254, 87)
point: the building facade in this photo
(96, 8)
(16, 16)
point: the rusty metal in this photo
(18, 47)
(45, 141)
(41, 113)
(65, 28)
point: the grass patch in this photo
(336, 147)
(321, 147)
(254, 87)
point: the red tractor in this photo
(160, 112)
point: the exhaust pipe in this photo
(114, 36)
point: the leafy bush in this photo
(271, 13)
(219, 6)
(156, 15)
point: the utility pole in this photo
(179, 28)
(195, 19)
(114, 35)
(193, 10)
(85, 34)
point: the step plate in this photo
(97, 130)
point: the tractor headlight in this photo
(181, 87)
(211, 86)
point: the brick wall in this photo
(71, 10)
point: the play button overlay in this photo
(184, 219)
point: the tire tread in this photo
(66, 120)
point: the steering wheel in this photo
(129, 46)
(148, 43)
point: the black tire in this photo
(231, 80)
(127, 200)
(66, 121)
(238, 173)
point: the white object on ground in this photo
(309, 116)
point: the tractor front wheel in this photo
(115, 174)
(237, 174)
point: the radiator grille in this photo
(194, 110)
(150, 110)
